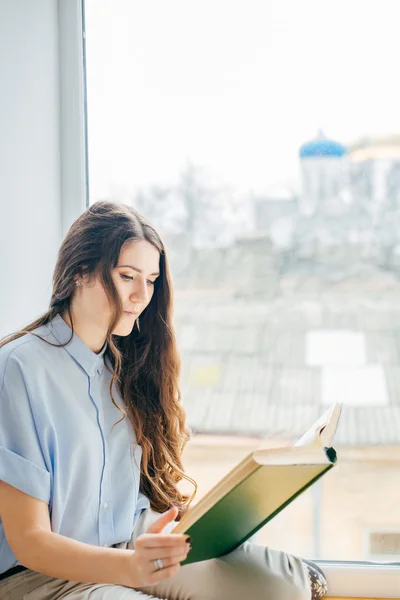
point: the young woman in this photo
(91, 436)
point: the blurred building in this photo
(347, 210)
(262, 371)
(301, 313)
(325, 175)
(376, 171)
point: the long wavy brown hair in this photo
(145, 363)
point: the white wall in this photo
(32, 157)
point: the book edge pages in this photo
(303, 452)
(292, 455)
(328, 466)
(228, 482)
(328, 432)
(275, 457)
(323, 430)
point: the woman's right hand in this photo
(171, 549)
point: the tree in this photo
(206, 214)
(212, 211)
(388, 226)
(158, 204)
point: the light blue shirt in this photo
(57, 443)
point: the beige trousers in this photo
(251, 571)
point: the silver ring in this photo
(158, 564)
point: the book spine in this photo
(330, 454)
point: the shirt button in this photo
(105, 505)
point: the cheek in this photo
(102, 301)
(123, 288)
(97, 306)
(151, 293)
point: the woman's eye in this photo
(130, 278)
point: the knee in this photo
(279, 587)
(291, 580)
(259, 574)
(270, 574)
(297, 592)
(259, 582)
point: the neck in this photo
(90, 332)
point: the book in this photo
(257, 489)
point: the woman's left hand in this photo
(154, 548)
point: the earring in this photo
(78, 283)
(138, 324)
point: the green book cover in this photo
(255, 491)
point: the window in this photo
(283, 238)
(384, 545)
(335, 347)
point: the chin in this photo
(123, 330)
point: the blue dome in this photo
(322, 147)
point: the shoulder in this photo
(23, 352)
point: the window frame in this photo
(74, 165)
(384, 558)
(345, 578)
(361, 579)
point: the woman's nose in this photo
(140, 292)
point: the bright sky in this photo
(233, 85)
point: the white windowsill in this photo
(363, 580)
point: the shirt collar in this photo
(89, 360)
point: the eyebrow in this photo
(137, 270)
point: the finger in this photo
(151, 540)
(170, 562)
(164, 574)
(163, 520)
(166, 553)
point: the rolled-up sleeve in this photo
(22, 463)
(142, 504)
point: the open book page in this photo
(308, 455)
(245, 508)
(292, 455)
(310, 447)
(323, 430)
